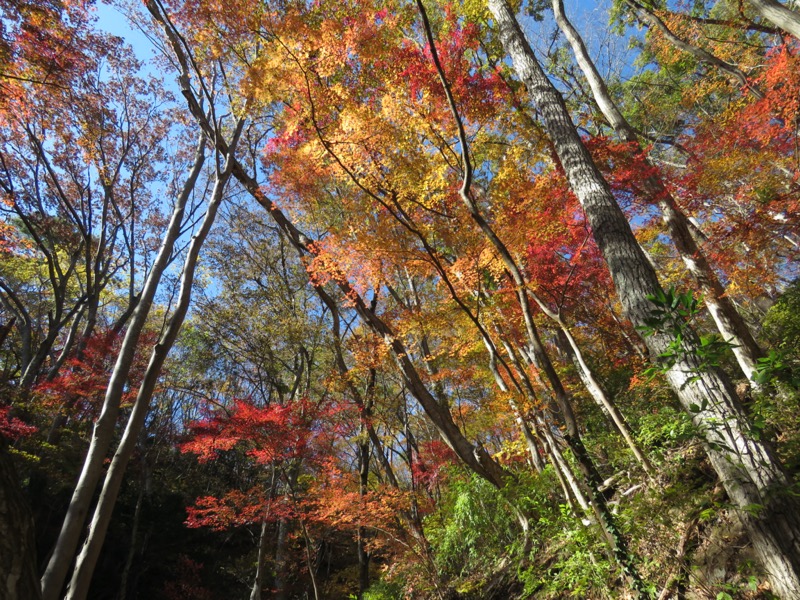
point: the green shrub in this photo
(472, 527)
(384, 590)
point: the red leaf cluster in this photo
(269, 433)
(432, 461)
(12, 428)
(80, 387)
(475, 89)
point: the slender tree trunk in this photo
(102, 434)
(363, 464)
(310, 562)
(258, 580)
(26, 341)
(87, 559)
(750, 472)
(729, 322)
(525, 430)
(280, 560)
(571, 349)
(61, 418)
(34, 367)
(568, 495)
(5, 329)
(126, 571)
(72, 336)
(561, 464)
(18, 568)
(533, 446)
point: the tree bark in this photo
(749, 470)
(777, 14)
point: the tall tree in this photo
(748, 468)
(87, 558)
(104, 427)
(729, 322)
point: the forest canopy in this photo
(387, 299)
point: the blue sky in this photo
(111, 20)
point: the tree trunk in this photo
(5, 329)
(102, 434)
(777, 14)
(258, 580)
(562, 467)
(310, 562)
(525, 430)
(363, 464)
(280, 560)
(750, 472)
(729, 322)
(18, 569)
(126, 570)
(78, 588)
(571, 349)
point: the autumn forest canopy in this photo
(388, 299)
